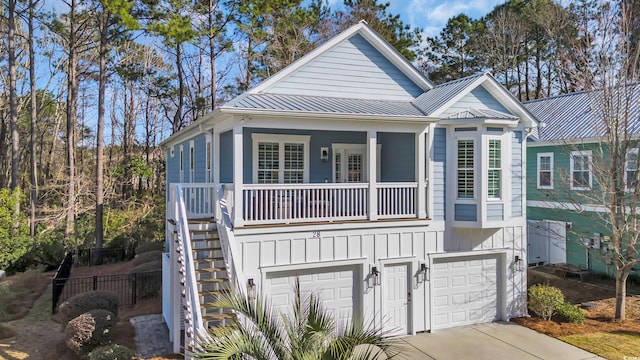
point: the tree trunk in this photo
(13, 105)
(33, 198)
(72, 98)
(621, 294)
(212, 58)
(99, 232)
(177, 118)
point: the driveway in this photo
(491, 341)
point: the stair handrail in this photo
(192, 295)
(227, 241)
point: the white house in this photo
(400, 201)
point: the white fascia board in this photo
(199, 126)
(459, 96)
(332, 124)
(501, 122)
(378, 42)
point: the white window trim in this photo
(502, 167)
(541, 155)
(588, 154)
(281, 139)
(477, 139)
(181, 165)
(192, 161)
(626, 163)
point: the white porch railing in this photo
(198, 200)
(397, 200)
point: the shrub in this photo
(149, 256)
(93, 300)
(544, 300)
(7, 300)
(567, 312)
(112, 352)
(150, 246)
(89, 330)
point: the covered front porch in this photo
(283, 175)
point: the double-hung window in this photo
(545, 171)
(466, 169)
(580, 170)
(494, 174)
(631, 169)
(280, 158)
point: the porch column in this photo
(238, 176)
(215, 168)
(421, 172)
(372, 159)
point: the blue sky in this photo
(432, 15)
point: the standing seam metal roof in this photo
(435, 98)
(323, 105)
(580, 115)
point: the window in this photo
(465, 172)
(181, 164)
(580, 170)
(191, 162)
(280, 158)
(208, 161)
(545, 171)
(631, 169)
(494, 175)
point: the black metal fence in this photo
(62, 274)
(131, 287)
(95, 256)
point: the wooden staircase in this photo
(211, 272)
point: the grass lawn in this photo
(609, 345)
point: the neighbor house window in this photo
(545, 171)
(465, 172)
(631, 169)
(580, 170)
(494, 174)
(280, 158)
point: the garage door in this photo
(337, 287)
(465, 291)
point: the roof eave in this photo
(334, 115)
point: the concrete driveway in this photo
(490, 342)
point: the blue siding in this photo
(200, 157)
(478, 98)
(398, 157)
(517, 174)
(226, 157)
(466, 212)
(351, 69)
(439, 173)
(173, 166)
(495, 212)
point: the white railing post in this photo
(238, 175)
(372, 159)
(421, 173)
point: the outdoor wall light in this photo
(519, 264)
(375, 275)
(324, 153)
(251, 289)
(424, 272)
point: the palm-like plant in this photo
(309, 333)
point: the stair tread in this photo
(210, 270)
(210, 281)
(217, 316)
(201, 260)
(213, 292)
(202, 220)
(207, 248)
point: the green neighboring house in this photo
(566, 222)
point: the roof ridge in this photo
(477, 75)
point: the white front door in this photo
(397, 298)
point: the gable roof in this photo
(579, 116)
(364, 36)
(438, 100)
(481, 114)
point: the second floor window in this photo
(466, 173)
(545, 171)
(631, 169)
(280, 158)
(580, 170)
(494, 179)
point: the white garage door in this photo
(337, 286)
(465, 291)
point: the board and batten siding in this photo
(517, 175)
(352, 69)
(439, 169)
(478, 98)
